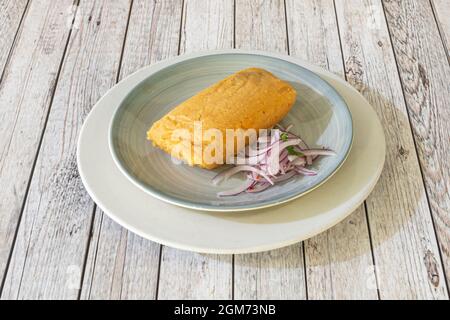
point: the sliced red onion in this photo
(253, 160)
(318, 152)
(284, 177)
(224, 175)
(258, 187)
(270, 161)
(289, 127)
(302, 144)
(237, 190)
(298, 162)
(305, 171)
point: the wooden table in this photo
(57, 58)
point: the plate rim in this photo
(209, 207)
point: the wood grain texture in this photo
(276, 274)
(56, 230)
(49, 252)
(261, 25)
(186, 275)
(405, 248)
(11, 14)
(207, 25)
(425, 75)
(25, 95)
(314, 35)
(339, 261)
(121, 265)
(153, 34)
(442, 16)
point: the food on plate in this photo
(250, 99)
(273, 158)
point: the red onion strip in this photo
(282, 155)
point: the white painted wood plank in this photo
(104, 272)
(91, 257)
(425, 75)
(207, 25)
(261, 25)
(405, 247)
(186, 275)
(314, 37)
(140, 273)
(153, 34)
(11, 13)
(25, 95)
(278, 274)
(313, 34)
(442, 15)
(124, 266)
(275, 274)
(120, 264)
(48, 257)
(339, 261)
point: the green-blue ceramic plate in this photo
(320, 116)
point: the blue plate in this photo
(320, 116)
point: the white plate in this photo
(230, 232)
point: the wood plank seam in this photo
(305, 270)
(303, 243)
(206, 25)
(377, 281)
(87, 254)
(232, 277)
(83, 268)
(364, 75)
(364, 203)
(331, 274)
(366, 211)
(161, 246)
(123, 266)
(233, 269)
(11, 49)
(111, 277)
(38, 148)
(234, 33)
(441, 32)
(95, 205)
(261, 25)
(421, 169)
(158, 272)
(287, 30)
(97, 35)
(117, 80)
(181, 26)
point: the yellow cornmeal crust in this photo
(252, 98)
